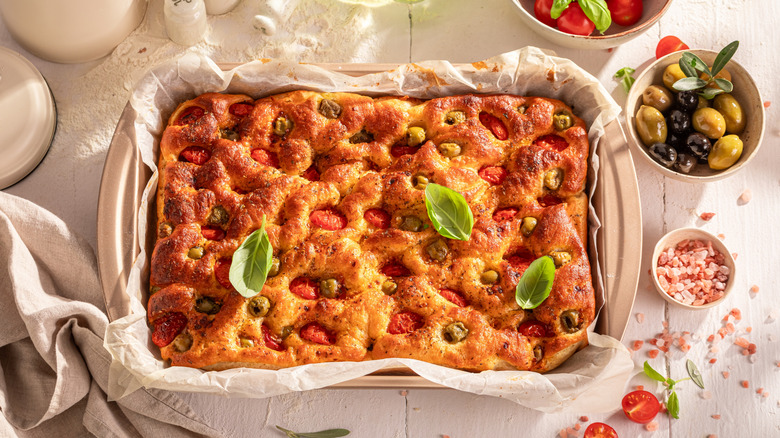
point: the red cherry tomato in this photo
(454, 297)
(640, 406)
(600, 430)
(625, 12)
(404, 322)
(669, 44)
(574, 21)
(531, 328)
(542, 12)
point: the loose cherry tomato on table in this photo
(669, 44)
(574, 21)
(625, 12)
(640, 406)
(600, 430)
(542, 11)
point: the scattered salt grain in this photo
(637, 345)
(706, 395)
(752, 359)
(712, 435)
(773, 315)
(716, 416)
(706, 216)
(640, 318)
(745, 197)
(721, 236)
(652, 354)
(264, 24)
(584, 419)
(651, 426)
(725, 374)
(744, 383)
(404, 393)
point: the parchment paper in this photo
(590, 381)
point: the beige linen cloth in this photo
(53, 367)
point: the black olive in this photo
(679, 122)
(677, 141)
(685, 163)
(687, 101)
(699, 146)
(663, 153)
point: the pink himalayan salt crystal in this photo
(651, 426)
(706, 216)
(745, 197)
(640, 318)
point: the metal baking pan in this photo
(616, 201)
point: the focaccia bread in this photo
(359, 271)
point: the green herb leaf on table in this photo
(558, 7)
(449, 212)
(724, 56)
(693, 371)
(673, 405)
(330, 433)
(598, 12)
(626, 80)
(251, 263)
(653, 374)
(536, 283)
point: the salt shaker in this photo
(185, 21)
(219, 7)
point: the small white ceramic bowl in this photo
(613, 37)
(671, 239)
(746, 93)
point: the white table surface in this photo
(67, 183)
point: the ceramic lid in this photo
(28, 114)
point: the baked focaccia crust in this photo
(362, 274)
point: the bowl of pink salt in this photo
(692, 268)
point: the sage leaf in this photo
(536, 283)
(724, 85)
(686, 84)
(653, 374)
(724, 56)
(251, 263)
(709, 93)
(626, 80)
(449, 212)
(673, 405)
(330, 433)
(558, 7)
(693, 371)
(598, 12)
(695, 62)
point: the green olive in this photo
(522, 109)
(455, 332)
(229, 134)
(672, 74)
(362, 137)
(731, 111)
(553, 179)
(489, 277)
(415, 136)
(282, 125)
(329, 109)
(207, 305)
(164, 230)
(570, 321)
(329, 288)
(709, 122)
(195, 253)
(218, 216)
(276, 265)
(562, 121)
(528, 225)
(286, 331)
(389, 287)
(437, 250)
(154, 289)
(725, 152)
(455, 117)
(419, 182)
(246, 342)
(258, 306)
(182, 342)
(703, 103)
(657, 97)
(538, 353)
(650, 125)
(411, 223)
(449, 150)
(560, 257)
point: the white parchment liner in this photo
(592, 380)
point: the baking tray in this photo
(616, 201)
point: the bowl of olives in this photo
(694, 135)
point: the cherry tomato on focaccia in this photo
(328, 219)
(532, 328)
(222, 272)
(195, 155)
(404, 322)
(600, 430)
(240, 109)
(265, 157)
(454, 297)
(495, 175)
(167, 327)
(625, 12)
(574, 21)
(505, 214)
(271, 340)
(495, 125)
(190, 115)
(377, 217)
(313, 332)
(552, 141)
(640, 406)
(395, 270)
(304, 287)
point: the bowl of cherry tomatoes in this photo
(591, 24)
